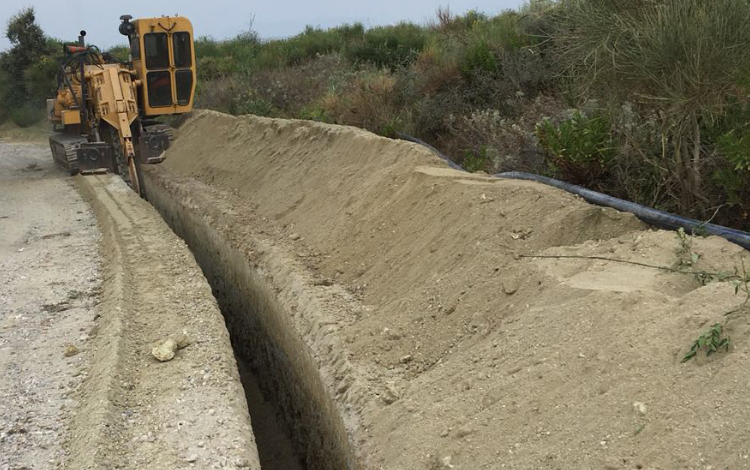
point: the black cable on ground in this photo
(649, 215)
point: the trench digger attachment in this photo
(105, 111)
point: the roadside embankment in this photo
(409, 316)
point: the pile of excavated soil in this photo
(465, 352)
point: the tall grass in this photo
(689, 59)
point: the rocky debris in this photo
(167, 350)
(71, 350)
(182, 340)
(391, 394)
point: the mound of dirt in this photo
(486, 316)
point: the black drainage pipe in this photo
(649, 215)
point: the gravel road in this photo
(88, 288)
(49, 279)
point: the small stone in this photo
(444, 433)
(295, 236)
(191, 458)
(464, 431)
(71, 350)
(640, 408)
(182, 340)
(242, 463)
(166, 351)
(391, 394)
(407, 359)
(509, 288)
(391, 335)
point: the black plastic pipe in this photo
(649, 215)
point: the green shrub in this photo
(121, 53)
(314, 112)
(579, 148)
(250, 103)
(372, 101)
(389, 46)
(26, 115)
(315, 41)
(41, 80)
(734, 178)
(473, 162)
(501, 32)
(478, 59)
(28, 68)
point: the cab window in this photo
(156, 49)
(135, 48)
(181, 47)
(159, 86)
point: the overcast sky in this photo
(225, 18)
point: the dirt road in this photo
(86, 295)
(49, 274)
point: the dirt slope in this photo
(471, 355)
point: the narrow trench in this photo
(272, 436)
(295, 423)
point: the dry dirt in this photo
(49, 277)
(462, 352)
(82, 309)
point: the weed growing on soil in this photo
(742, 281)
(711, 341)
(686, 257)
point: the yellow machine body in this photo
(104, 108)
(168, 86)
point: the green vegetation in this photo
(580, 148)
(711, 341)
(27, 70)
(646, 100)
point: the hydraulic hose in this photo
(649, 215)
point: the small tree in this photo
(28, 68)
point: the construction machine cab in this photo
(163, 59)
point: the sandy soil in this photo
(115, 293)
(466, 353)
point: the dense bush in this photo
(686, 58)
(580, 149)
(388, 46)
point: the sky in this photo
(223, 19)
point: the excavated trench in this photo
(295, 422)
